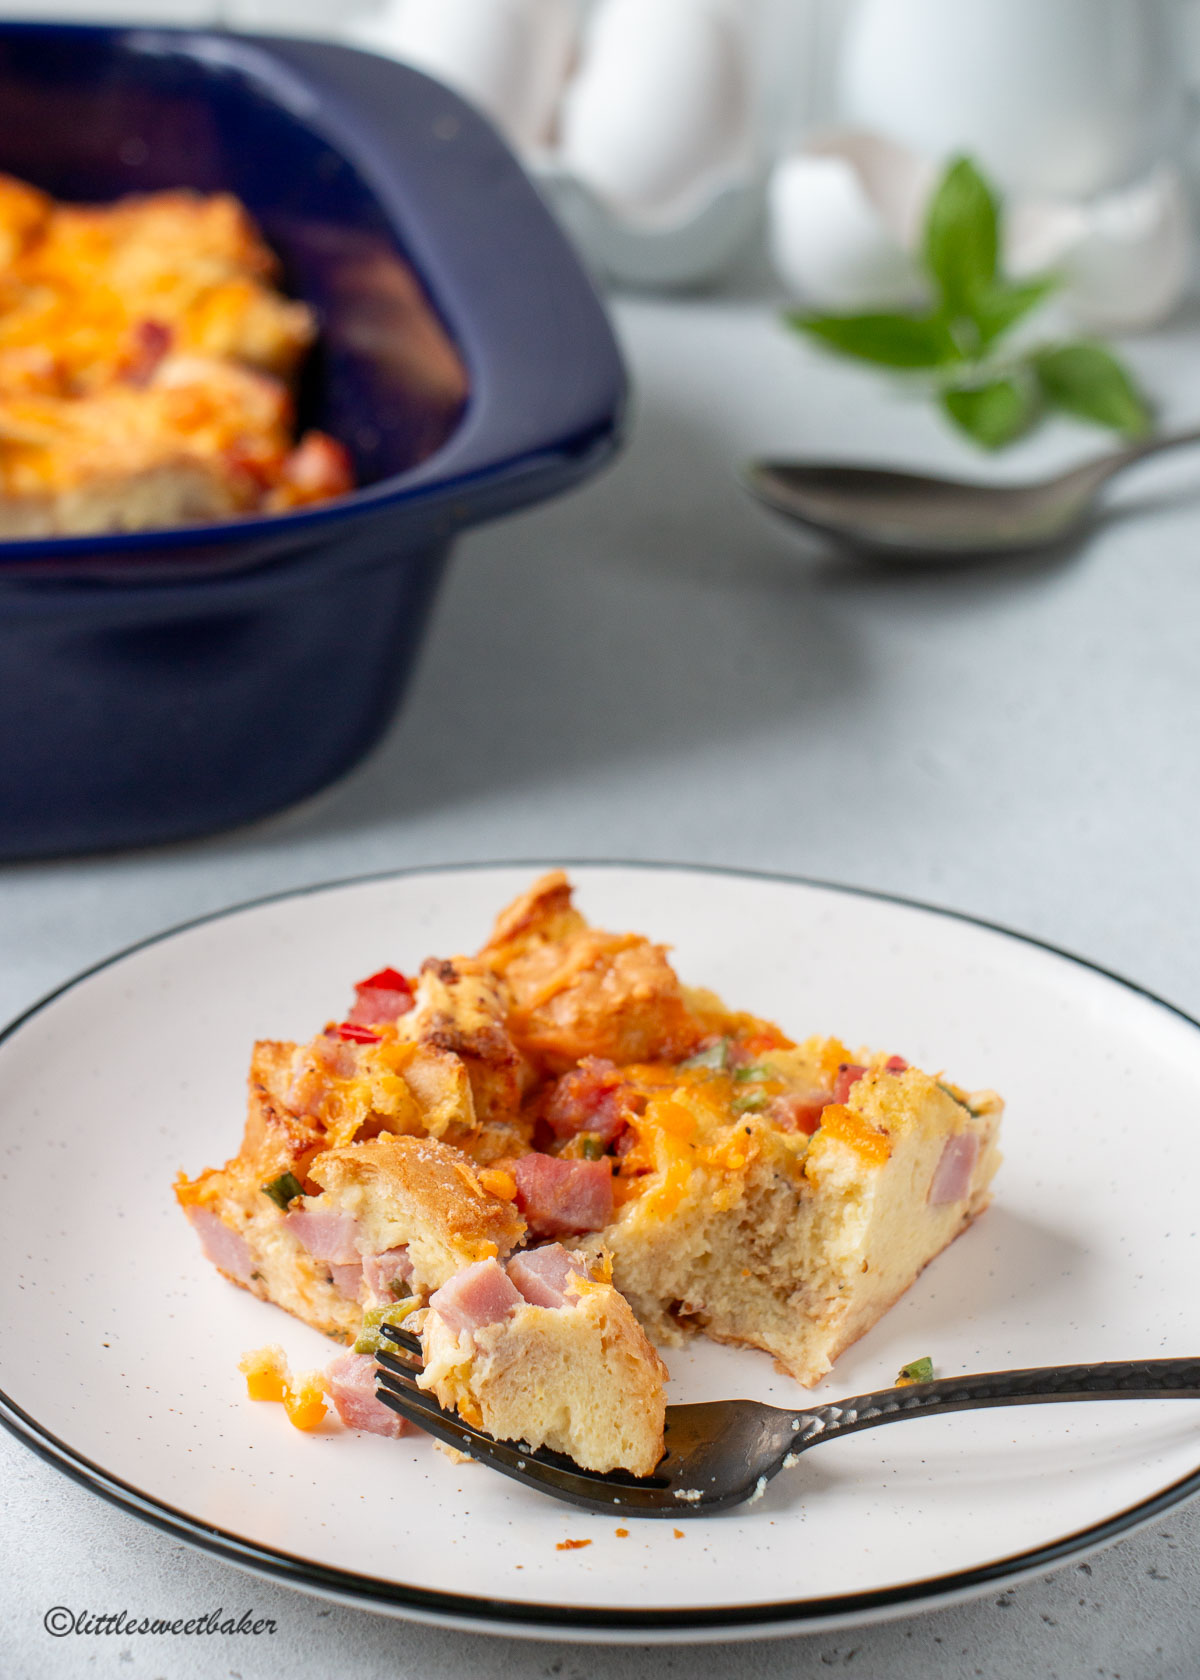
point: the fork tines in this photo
(405, 1339)
(396, 1386)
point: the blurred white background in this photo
(662, 128)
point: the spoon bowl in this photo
(915, 516)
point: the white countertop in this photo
(651, 669)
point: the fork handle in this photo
(1147, 1379)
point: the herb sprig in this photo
(992, 397)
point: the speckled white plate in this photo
(119, 1346)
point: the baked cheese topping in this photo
(146, 349)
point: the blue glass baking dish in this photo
(165, 684)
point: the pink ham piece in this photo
(799, 1111)
(952, 1175)
(326, 1233)
(848, 1076)
(225, 1248)
(383, 1270)
(543, 1275)
(383, 998)
(350, 1381)
(588, 1099)
(482, 1294)
(561, 1198)
(347, 1279)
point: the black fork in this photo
(723, 1452)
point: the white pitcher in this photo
(1061, 98)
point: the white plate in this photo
(119, 1349)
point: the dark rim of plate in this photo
(470, 1611)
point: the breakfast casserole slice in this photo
(564, 1087)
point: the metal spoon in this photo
(912, 516)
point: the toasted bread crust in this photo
(578, 992)
(424, 1194)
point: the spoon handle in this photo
(1156, 444)
(1147, 1379)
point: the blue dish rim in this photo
(567, 423)
(545, 1619)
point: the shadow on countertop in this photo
(650, 615)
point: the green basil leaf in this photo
(993, 414)
(1001, 306)
(962, 237)
(897, 341)
(1088, 381)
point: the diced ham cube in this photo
(799, 1111)
(482, 1294)
(319, 467)
(848, 1075)
(895, 1064)
(562, 1198)
(327, 1233)
(225, 1248)
(149, 342)
(381, 1271)
(381, 998)
(543, 1275)
(588, 1099)
(952, 1175)
(347, 1279)
(351, 1384)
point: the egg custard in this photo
(562, 1086)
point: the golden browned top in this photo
(573, 1042)
(79, 284)
(149, 335)
(461, 1008)
(420, 1178)
(577, 992)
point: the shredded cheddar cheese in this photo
(497, 1182)
(268, 1378)
(868, 1143)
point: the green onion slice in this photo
(920, 1370)
(961, 1101)
(283, 1189)
(715, 1057)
